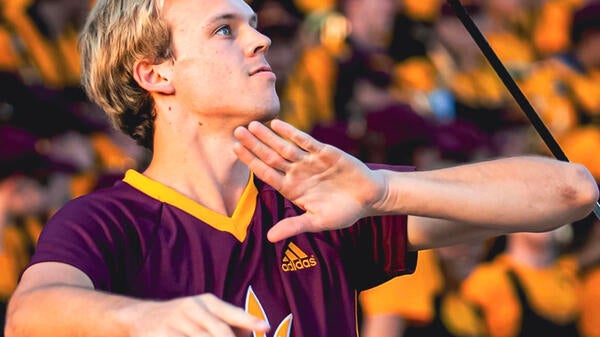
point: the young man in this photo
(198, 245)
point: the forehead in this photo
(180, 13)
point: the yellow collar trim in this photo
(237, 225)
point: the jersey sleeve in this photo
(378, 246)
(83, 235)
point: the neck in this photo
(196, 159)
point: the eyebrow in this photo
(253, 20)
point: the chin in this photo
(269, 111)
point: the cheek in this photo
(221, 70)
(200, 77)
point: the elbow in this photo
(580, 191)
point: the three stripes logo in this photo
(295, 259)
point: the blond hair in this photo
(117, 33)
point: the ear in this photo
(156, 78)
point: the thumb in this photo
(289, 227)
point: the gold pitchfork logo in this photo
(254, 308)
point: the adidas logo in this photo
(295, 259)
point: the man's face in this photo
(220, 71)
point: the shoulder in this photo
(108, 205)
(100, 198)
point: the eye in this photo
(224, 30)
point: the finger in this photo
(263, 171)
(262, 150)
(283, 147)
(302, 139)
(186, 325)
(289, 227)
(235, 316)
(204, 322)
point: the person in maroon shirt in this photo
(237, 227)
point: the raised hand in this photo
(334, 188)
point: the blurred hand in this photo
(198, 316)
(334, 188)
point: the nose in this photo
(260, 43)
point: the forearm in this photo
(67, 311)
(335, 189)
(516, 194)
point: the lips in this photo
(261, 69)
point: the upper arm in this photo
(426, 233)
(52, 274)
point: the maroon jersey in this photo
(143, 239)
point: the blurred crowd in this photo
(389, 81)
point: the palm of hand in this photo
(334, 188)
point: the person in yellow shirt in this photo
(528, 290)
(565, 90)
(586, 248)
(345, 44)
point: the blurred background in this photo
(389, 81)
